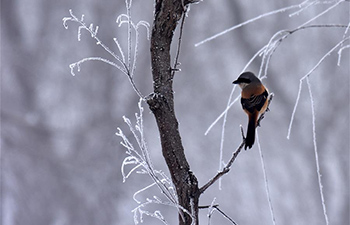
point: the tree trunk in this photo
(161, 102)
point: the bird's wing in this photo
(255, 102)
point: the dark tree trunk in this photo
(161, 102)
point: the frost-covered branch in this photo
(139, 211)
(284, 9)
(221, 161)
(93, 33)
(138, 161)
(126, 66)
(318, 171)
(78, 64)
(300, 7)
(229, 105)
(306, 76)
(267, 51)
(125, 18)
(267, 189)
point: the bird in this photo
(254, 100)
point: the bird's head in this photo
(245, 79)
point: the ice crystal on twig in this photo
(139, 161)
(267, 189)
(128, 66)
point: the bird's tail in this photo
(249, 140)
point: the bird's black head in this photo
(246, 78)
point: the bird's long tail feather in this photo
(250, 139)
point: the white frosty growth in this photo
(307, 75)
(121, 64)
(316, 152)
(249, 21)
(267, 189)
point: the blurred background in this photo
(61, 159)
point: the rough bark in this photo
(161, 102)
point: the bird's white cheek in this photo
(242, 85)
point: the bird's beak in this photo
(236, 82)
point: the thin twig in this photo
(249, 21)
(307, 75)
(207, 206)
(267, 109)
(316, 151)
(267, 189)
(269, 14)
(216, 206)
(322, 13)
(128, 13)
(123, 68)
(224, 170)
(223, 135)
(224, 112)
(280, 36)
(225, 215)
(174, 69)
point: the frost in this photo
(305, 77)
(250, 21)
(267, 189)
(224, 112)
(78, 64)
(316, 151)
(301, 7)
(138, 161)
(128, 66)
(126, 19)
(340, 53)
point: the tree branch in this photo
(224, 170)
(161, 102)
(216, 206)
(267, 109)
